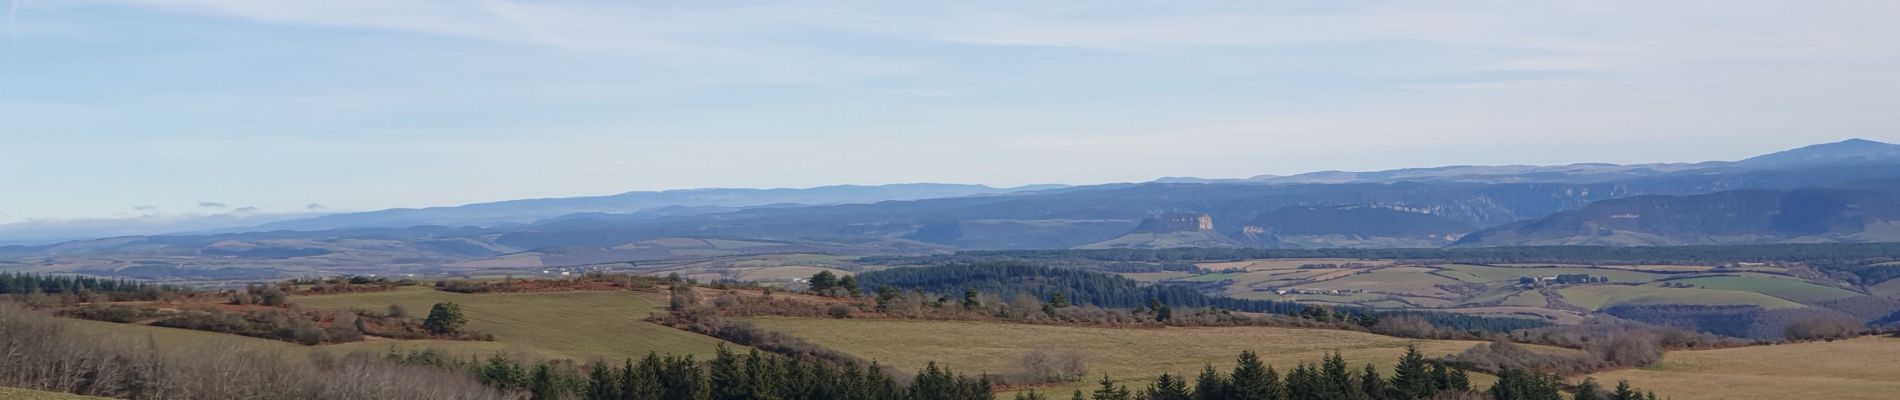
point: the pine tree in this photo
(445, 319)
(1337, 381)
(1109, 391)
(1441, 378)
(601, 382)
(503, 373)
(823, 281)
(1587, 390)
(1210, 385)
(1250, 378)
(969, 299)
(1078, 395)
(727, 376)
(762, 377)
(542, 386)
(1411, 377)
(642, 382)
(1460, 381)
(1372, 385)
(1624, 392)
(1168, 387)
(849, 284)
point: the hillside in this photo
(1355, 226)
(1735, 217)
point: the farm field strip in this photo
(1855, 369)
(575, 325)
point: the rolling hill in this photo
(1734, 217)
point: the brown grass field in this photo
(1842, 370)
(573, 325)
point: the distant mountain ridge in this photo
(1734, 217)
(638, 204)
(1837, 192)
(1852, 151)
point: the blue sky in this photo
(166, 109)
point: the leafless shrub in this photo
(1042, 366)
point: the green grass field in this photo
(1857, 369)
(573, 325)
(1134, 356)
(1597, 297)
(1786, 288)
(786, 273)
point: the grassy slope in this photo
(1131, 355)
(574, 325)
(1844, 370)
(1597, 297)
(1786, 288)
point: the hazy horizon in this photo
(143, 109)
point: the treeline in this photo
(40, 352)
(1010, 279)
(1830, 253)
(111, 289)
(1413, 378)
(729, 375)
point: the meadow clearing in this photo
(573, 325)
(1855, 369)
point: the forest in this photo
(1010, 278)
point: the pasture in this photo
(1786, 288)
(573, 325)
(1856, 369)
(1597, 297)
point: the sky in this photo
(160, 110)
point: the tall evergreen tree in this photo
(1336, 379)
(1373, 386)
(727, 376)
(1168, 387)
(1441, 377)
(1254, 380)
(1412, 378)
(1210, 385)
(1460, 381)
(542, 386)
(642, 382)
(602, 382)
